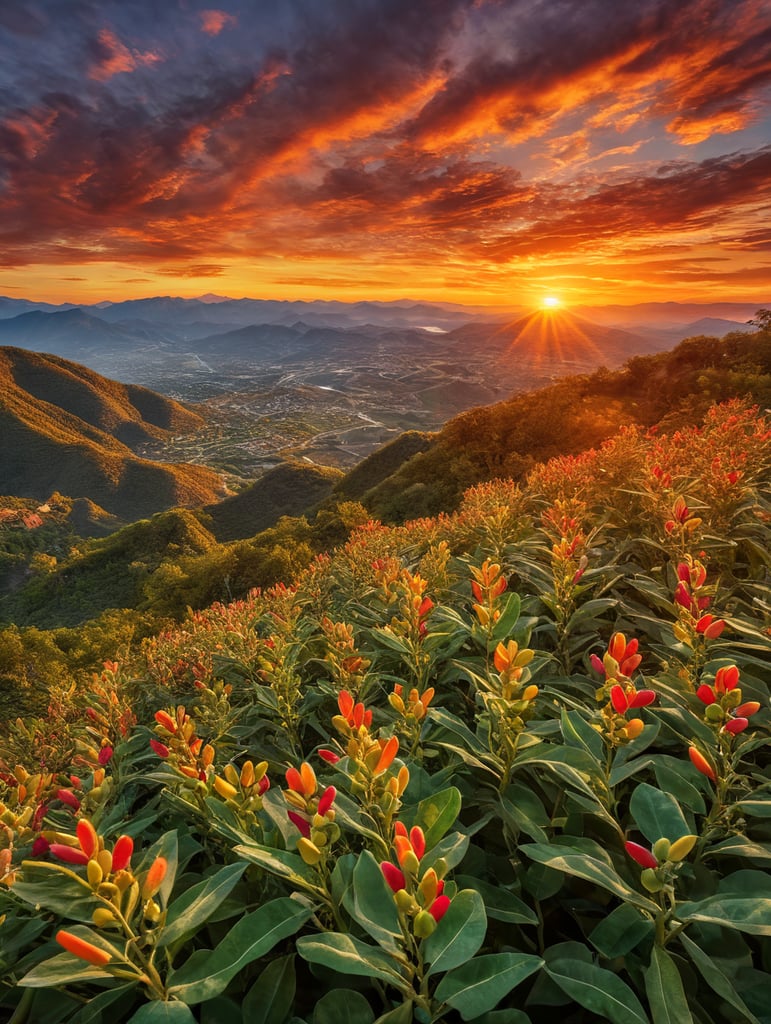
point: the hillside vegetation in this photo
(64, 428)
(498, 764)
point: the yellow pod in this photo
(681, 848)
(103, 918)
(224, 789)
(247, 774)
(94, 873)
(309, 852)
(104, 860)
(231, 775)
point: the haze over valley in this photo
(329, 382)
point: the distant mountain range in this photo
(65, 428)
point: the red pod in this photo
(300, 822)
(87, 837)
(701, 764)
(121, 853)
(159, 748)
(327, 799)
(329, 756)
(643, 856)
(439, 907)
(706, 694)
(393, 875)
(642, 698)
(418, 841)
(736, 725)
(69, 798)
(69, 854)
(618, 699)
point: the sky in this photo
(474, 151)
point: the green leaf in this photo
(576, 732)
(163, 1013)
(437, 813)
(573, 766)
(373, 905)
(61, 970)
(664, 989)
(349, 955)
(657, 814)
(575, 862)
(500, 904)
(508, 617)
(458, 935)
(670, 779)
(525, 811)
(207, 972)
(269, 1000)
(597, 990)
(343, 1006)
(195, 906)
(619, 932)
(92, 1011)
(45, 885)
(479, 985)
(755, 808)
(737, 846)
(746, 914)
(282, 863)
(716, 979)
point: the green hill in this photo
(288, 490)
(64, 428)
(575, 413)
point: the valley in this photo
(327, 383)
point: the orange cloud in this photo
(213, 21)
(114, 58)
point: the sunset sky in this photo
(476, 151)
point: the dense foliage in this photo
(496, 765)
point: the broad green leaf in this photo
(619, 932)
(286, 865)
(270, 998)
(500, 904)
(63, 969)
(508, 617)
(207, 972)
(373, 903)
(343, 1006)
(458, 935)
(755, 808)
(92, 1011)
(195, 906)
(349, 955)
(399, 1015)
(575, 767)
(657, 814)
(664, 989)
(739, 846)
(670, 779)
(452, 849)
(589, 611)
(597, 990)
(526, 812)
(716, 979)
(437, 813)
(576, 862)
(479, 985)
(45, 885)
(163, 1013)
(576, 732)
(743, 913)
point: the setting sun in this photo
(551, 302)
